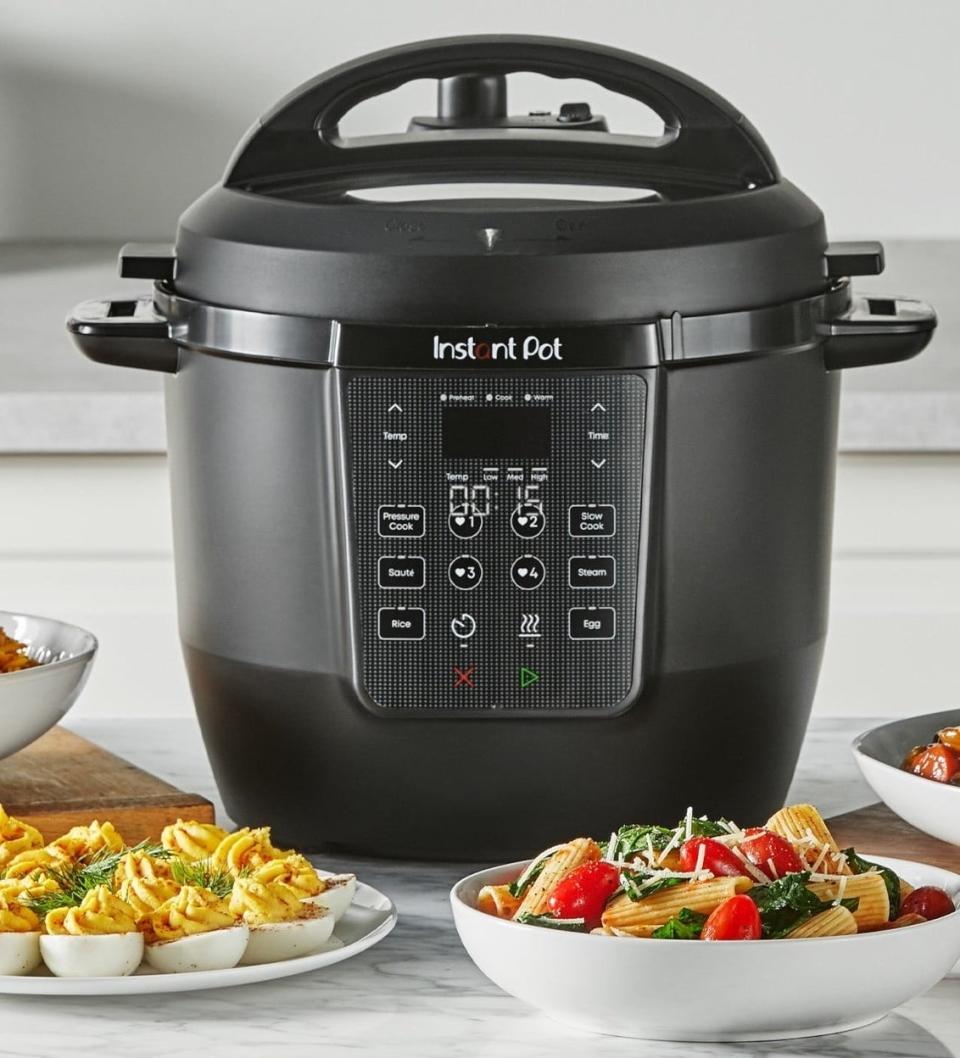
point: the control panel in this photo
(496, 524)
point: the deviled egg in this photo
(82, 841)
(98, 938)
(337, 894)
(193, 930)
(282, 925)
(245, 850)
(19, 937)
(143, 881)
(191, 841)
(16, 837)
(334, 891)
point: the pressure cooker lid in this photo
(701, 220)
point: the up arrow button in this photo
(598, 407)
(394, 407)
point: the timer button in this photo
(528, 572)
(592, 519)
(527, 520)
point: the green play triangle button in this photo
(528, 677)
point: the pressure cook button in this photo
(592, 519)
(401, 622)
(593, 571)
(401, 571)
(592, 622)
(401, 520)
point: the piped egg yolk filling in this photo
(293, 870)
(193, 910)
(16, 837)
(32, 886)
(144, 882)
(26, 863)
(15, 917)
(263, 903)
(245, 849)
(99, 912)
(85, 841)
(191, 840)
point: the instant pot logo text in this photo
(500, 350)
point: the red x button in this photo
(463, 677)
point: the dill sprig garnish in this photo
(204, 875)
(76, 879)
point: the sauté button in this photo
(593, 571)
(401, 622)
(592, 519)
(592, 622)
(401, 519)
(401, 571)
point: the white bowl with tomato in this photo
(745, 989)
(913, 766)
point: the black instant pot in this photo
(501, 519)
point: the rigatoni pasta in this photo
(710, 879)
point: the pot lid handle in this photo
(707, 144)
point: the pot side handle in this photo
(877, 330)
(125, 333)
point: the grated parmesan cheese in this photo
(755, 873)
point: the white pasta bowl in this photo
(33, 700)
(933, 807)
(700, 991)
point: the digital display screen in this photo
(491, 433)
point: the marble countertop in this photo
(53, 400)
(415, 995)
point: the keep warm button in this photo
(592, 622)
(593, 519)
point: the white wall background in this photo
(122, 112)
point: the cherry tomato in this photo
(899, 923)
(761, 847)
(584, 891)
(929, 901)
(737, 918)
(936, 762)
(716, 857)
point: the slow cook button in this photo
(401, 571)
(401, 622)
(593, 571)
(592, 519)
(592, 622)
(401, 520)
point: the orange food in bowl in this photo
(12, 655)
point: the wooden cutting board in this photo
(876, 829)
(62, 780)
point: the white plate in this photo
(692, 990)
(370, 918)
(933, 807)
